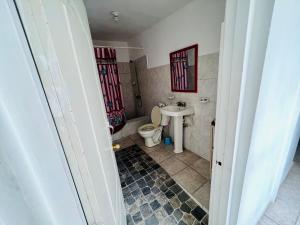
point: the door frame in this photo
(238, 89)
(228, 101)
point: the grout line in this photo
(192, 197)
(163, 160)
(199, 173)
(177, 172)
(187, 166)
(190, 166)
(208, 180)
(190, 194)
(182, 160)
(204, 218)
(200, 187)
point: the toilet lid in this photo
(156, 116)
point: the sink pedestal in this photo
(178, 134)
(177, 113)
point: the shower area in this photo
(130, 90)
(132, 99)
(121, 76)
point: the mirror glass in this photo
(183, 66)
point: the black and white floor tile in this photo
(151, 196)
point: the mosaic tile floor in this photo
(151, 196)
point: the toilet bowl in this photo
(151, 132)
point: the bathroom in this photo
(143, 58)
(131, 112)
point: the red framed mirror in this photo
(184, 69)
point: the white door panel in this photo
(70, 61)
(36, 184)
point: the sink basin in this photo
(174, 110)
(177, 112)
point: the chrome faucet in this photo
(181, 104)
(161, 104)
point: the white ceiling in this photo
(135, 16)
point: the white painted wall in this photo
(30, 145)
(122, 53)
(276, 128)
(12, 199)
(197, 22)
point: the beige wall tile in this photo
(155, 86)
(123, 67)
(127, 90)
(208, 88)
(208, 66)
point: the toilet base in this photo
(150, 143)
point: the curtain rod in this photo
(102, 46)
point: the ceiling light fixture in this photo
(115, 15)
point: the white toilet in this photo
(152, 131)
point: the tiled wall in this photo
(127, 91)
(155, 86)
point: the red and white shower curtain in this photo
(179, 70)
(111, 88)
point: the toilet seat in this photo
(152, 131)
(147, 127)
(147, 130)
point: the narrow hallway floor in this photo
(286, 209)
(152, 191)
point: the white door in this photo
(36, 186)
(59, 36)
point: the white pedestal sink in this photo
(177, 113)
